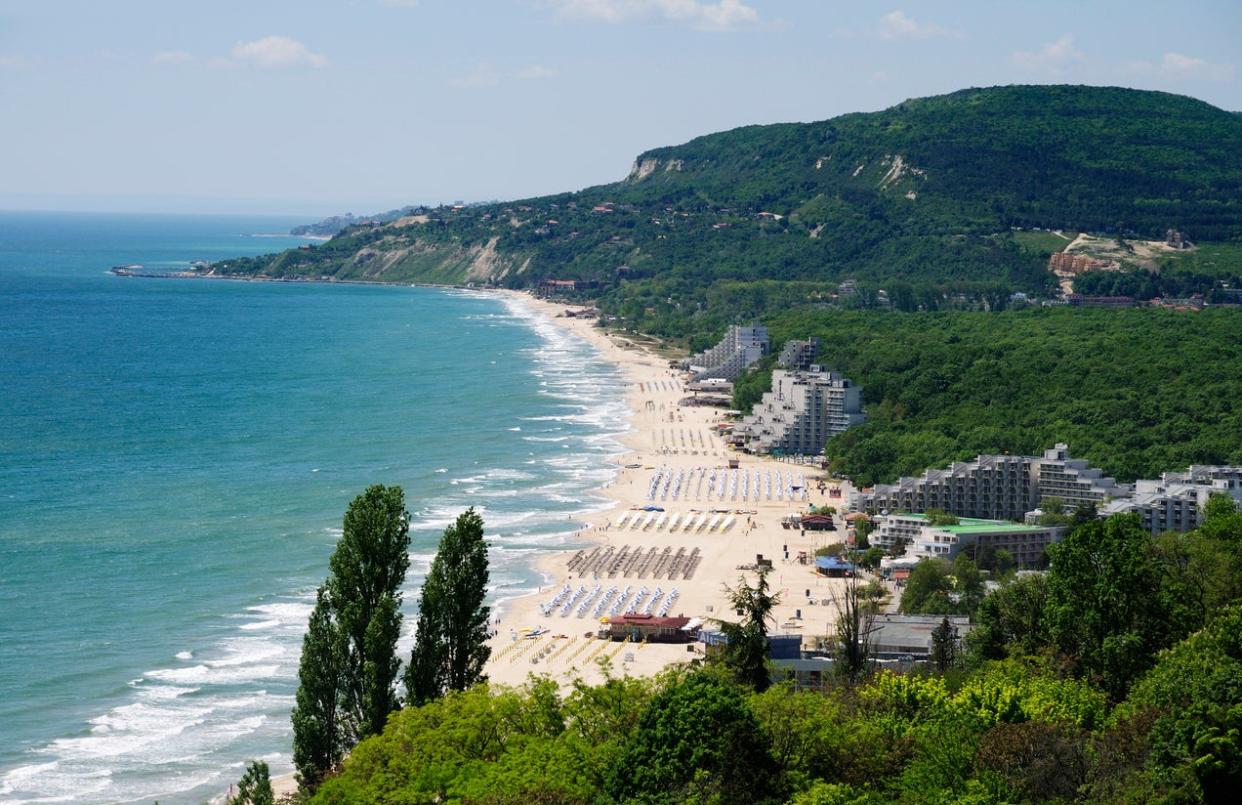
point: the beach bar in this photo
(639, 628)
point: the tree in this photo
(424, 674)
(746, 650)
(698, 740)
(319, 740)
(1104, 610)
(255, 786)
(349, 663)
(1194, 692)
(855, 614)
(450, 646)
(1083, 513)
(1010, 621)
(939, 517)
(870, 559)
(968, 582)
(1219, 506)
(928, 588)
(944, 645)
(862, 531)
(1039, 761)
(364, 589)
(1222, 520)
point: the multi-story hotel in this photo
(999, 487)
(798, 356)
(800, 413)
(740, 347)
(1175, 502)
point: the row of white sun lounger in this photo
(616, 601)
(658, 521)
(727, 484)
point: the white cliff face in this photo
(642, 169)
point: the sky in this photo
(318, 107)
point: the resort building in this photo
(798, 356)
(898, 636)
(1026, 543)
(1175, 502)
(740, 347)
(801, 412)
(1072, 480)
(997, 487)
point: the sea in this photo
(176, 457)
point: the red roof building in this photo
(640, 628)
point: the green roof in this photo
(974, 525)
(988, 527)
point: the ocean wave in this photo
(167, 734)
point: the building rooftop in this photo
(833, 563)
(991, 528)
(911, 633)
(639, 619)
(974, 525)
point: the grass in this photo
(1218, 259)
(1042, 243)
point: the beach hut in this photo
(834, 567)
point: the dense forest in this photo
(1137, 392)
(1113, 678)
(927, 193)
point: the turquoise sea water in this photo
(175, 459)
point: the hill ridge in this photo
(924, 192)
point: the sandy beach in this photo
(664, 435)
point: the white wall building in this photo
(740, 347)
(1000, 487)
(801, 412)
(1175, 502)
(799, 355)
(1026, 543)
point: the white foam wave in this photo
(259, 625)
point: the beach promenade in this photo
(713, 523)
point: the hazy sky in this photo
(322, 106)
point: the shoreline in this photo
(661, 434)
(652, 418)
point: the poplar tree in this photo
(368, 567)
(318, 742)
(450, 646)
(349, 663)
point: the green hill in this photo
(927, 192)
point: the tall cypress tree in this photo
(450, 647)
(318, 743)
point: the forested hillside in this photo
(926, 192)
(1138, 392)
